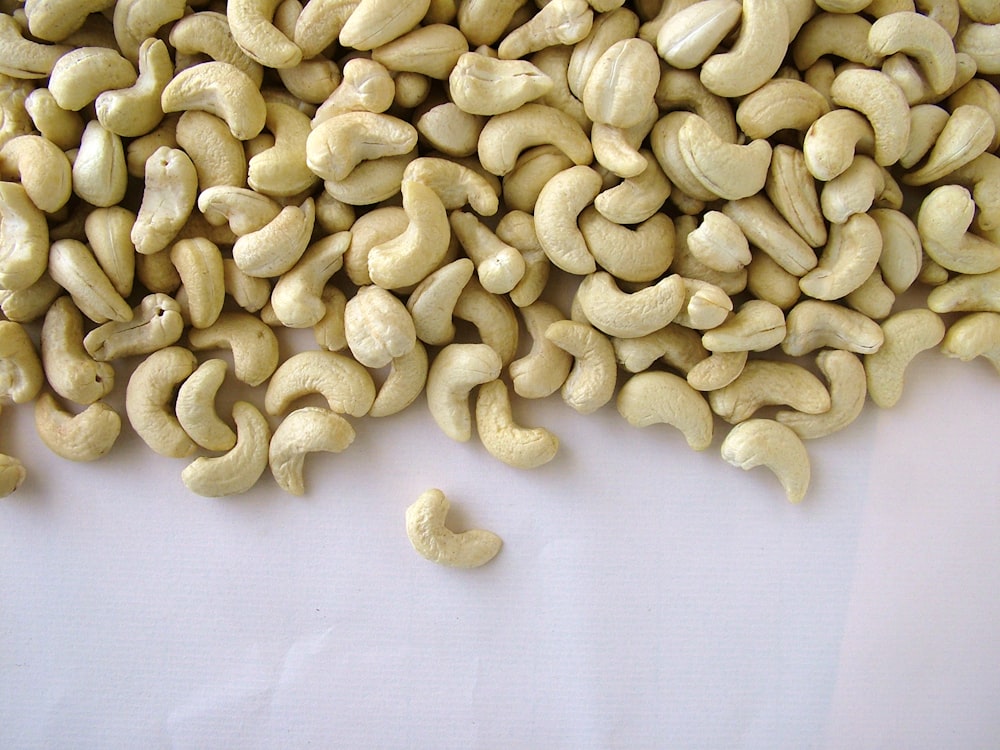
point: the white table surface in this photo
(646, 596)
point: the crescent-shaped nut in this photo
(221, 89)
(149, 401)
(134, 111)
(280, 170)
(252, 27)
(902, 252)
(23, 58)
(86, 436)
(768, 231)
(907, 333)
(404, 383)
(304, 431)
(235, 472)
(689, 36)
(757, 326)
(493, 317)
(75, 269)
(757, 54)
(431, 50)
(656, 397)
(499, 267)
(637, 197)
(195, 407)
(484, 85)
(432, 302)
(968, 132)
(543, 370)
(848, 387)
(943, 221)
(766, 383)
(199, 264)
(764, 442)
(377, 22)
(506, 135)
(780, 104)
(517, 446)
(563, 22)
(208, 33)
(630, 314)
(455, 371)
(455, 184)
(276, 247)
(169, 195)
(297, 297)
(345, 384)
(812, 324)
(253, 344)
(727, 170)
(336, 146)
(717, 371)
(792, 191)
(24, 238)
(920, 37)
(559, 203)
(849, 258)
(21, 374)
(69, 369)
(719, 243)
(831, 142)
(42, 168)
(974, 335)
(594, 374)
(244, 210)
(674, 345)
(641, 254)
(79, 76)
(979, 292)
(879, 98)
(622, 83)
(433, 541)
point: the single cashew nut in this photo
(251, 24)
(377, 22)
(253, 344)
(688, 37)
(483, 85)
(813, 324)
(879, 98)
(543, 370)
(493, 317)
(764, 383)
(24, 238)
(336, 146)
(907, 333)
(455, 371)
(79, 76)
(345, 384)
(593, 376)
(21, 373)
(677, 347)
(149, 401)
(664, 398)
(848, 387)
(276, 247)
(943, 221)
(432, 302)
(967, 292)
(848, 260)
(75, 269)
(506, 135)
(559, 22)
(559, 203)
(156, 322)
(167, 200)
(435, 542)
(221, 89)
(764, 442)
(86, 436)
(304, 431)
(757, 326)
(404, 383)
(517, 446)
(757, 54)
(378, 327)
(69, 369)
(42, 169)
(499, 266)
(625, 314)
(235, 472)
(726, 170)
(974, 335)
(195, 407)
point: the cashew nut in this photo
(253, 344)
(301, 432)
(221, 89)
(149, 401)
(517, 446)
(238, 470)
(378, 327)
(593, 376)
(345, 384)
(619, 313)
(764, 442)
(195, 407)
(907, 333)
(86, 436)
(24, 238)
(664, 398)
(813, 324)
(454, 372)
(404, 383)
(435, 542)
(974, 335)
(155, 323)
(848, 387)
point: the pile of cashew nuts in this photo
(763, 210)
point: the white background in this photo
(646, 596)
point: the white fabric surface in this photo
(647, 596)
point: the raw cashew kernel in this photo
(967, 292)
(195, 407)
(431, 539)
(593, 376)
(21, 374)
(813, 324)
(850, 256)
(757, 326)
(455, 371)
(297, 295)
(339, 144)
(23, 58)
(221, 89)
(499, 266)
(920, 37)
(253, 344)
(136, 110)
(967, 133)
(69, 369)
(238, 470)
(719, 243)
(79, 76)
(768, 382)
(412, 255)
(656, 397)
(280, 170)
(622, 83)
(86, 436)
(727, 170)
(75, 269)
(559, 22)
(149, 401)
(345, 384)
(42, 169)
(24, 238)
(877, 97)
(848, 387)
(276, 247)
(378, 327)
(404, 383)
(974, 335)
(641, 254)
(199, 264)
(304, 431)
(559, 203)
(907, 333)
(377, 22)
(619, 313)
(943, 221)
(764, 442)
(432, 302)
(759, 50)
(252, 27)
(156, 322)
(171, 186)
(506, 135)
(542, 371)
(484, 85)
(689, 36)
(517, 446)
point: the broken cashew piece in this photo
(235, 472)
(86, 436)
(517, 446)
(435, 542)
(764, 442)
(304, 431)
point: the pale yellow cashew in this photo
(78, 77)
(637, 197)
(499, 266)
(813, 324)
(30, 303)
(687, 38)
(832, 141)
(251, 24)
(641, 254)
(366, 86)
(454, 372)
(877, 97)
(656, 397)
(517, 446)
(593, 376)
(543, 370)
(965, 292)
(559, 203)
(23, 58)
(980, 41)
(377, 22)
(42, 169)
(432, 302)
(297, 295)
(943, 221)
(792, 191)
(207, 33)
(767, 230)
(100, 171)
(622, 84)
(276, 247)
(677, 347)
(850, 256)
(974, 335)
(221, 89)
(62, 127)
(378, 327)
(843, 35)
(345, 384)
(69, 369)
(244, 210)
(410, 256)
(764, 442)
(336, 146)
(455, 183)
(199, 263)
(757, 54)
(431, 50)
(135, 111)
(559, 22)
(765, 383)
(253, 344)
(757, 326)
(629, 314)
(967, 133)
(156, 322)
(404, 383)
(195, 407)
(304, 431)
(780, 104)
(149, 401)
(493, 317)
(907, 333)
(483, 85)
(75, 269)
(86, 436)
(21, 373)
(726, 170)
(235, 472)
(505, 136)
(435, 542)
(847, 384)
(108, 231)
